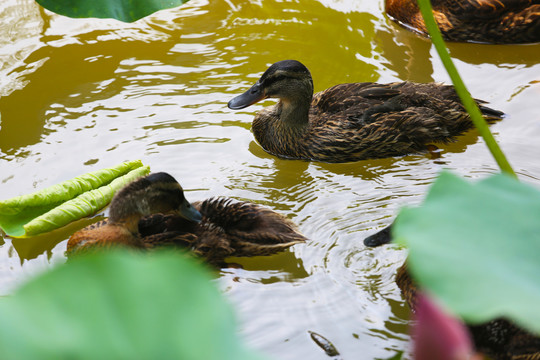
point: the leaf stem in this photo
(466, 98)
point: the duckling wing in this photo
(246, 229)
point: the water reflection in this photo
(31, 248)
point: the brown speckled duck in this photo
(500, 339)
(153, 212)
(351, 122)
(486, 21)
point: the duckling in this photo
(500, 339)
(486, 21)
(152, 212)
(228, 228)
(155, 193)
(351, 122)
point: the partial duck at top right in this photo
(481, 21)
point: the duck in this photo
(499, 339)
(486, 21)
(152, 212)
(354, 121)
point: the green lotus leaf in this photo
(476, 247)
(60, 204)
(123, 10)
(121, 305)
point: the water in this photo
(81, 95)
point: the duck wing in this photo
(485, 9)
(345, 97)
(351, 122)
(246, 229)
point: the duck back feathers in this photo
(486, 21)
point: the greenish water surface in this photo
(82, 94)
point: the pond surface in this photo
(81, 95)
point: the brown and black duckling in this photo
(153, 212)
(155, 193)
(500, 339)
(486, 21)
(351, 122)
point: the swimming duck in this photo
(500, 339)
(153, 212)
(351, 122)
(487, 21)
(155, 193)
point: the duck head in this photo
(152, 194)
(288, 80)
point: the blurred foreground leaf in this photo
(123, 10)
(120, 305)
(60, 204)
(476, 247)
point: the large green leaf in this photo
(124, 10)
(60, 204)
(476, 247)
(120, 305)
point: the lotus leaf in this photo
(123, 10)
(120, 305)
(60, 204)
(476, 247)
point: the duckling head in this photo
(288, 80)
(152, 194)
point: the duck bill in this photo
(188, 212)
(250, 97)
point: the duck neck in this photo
(295, 111)
(129, 222)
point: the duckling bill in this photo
(351, 122)
(153, 212)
